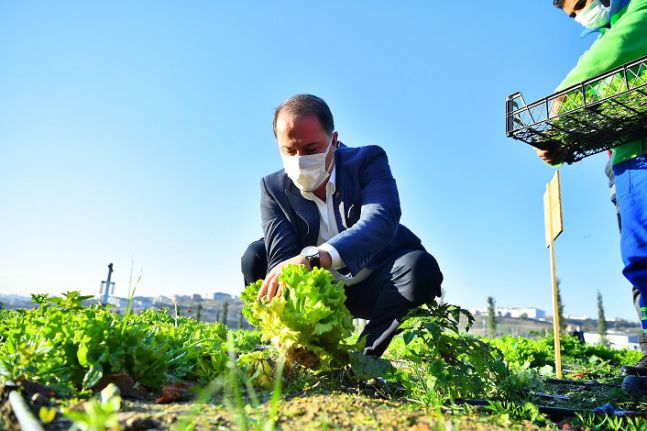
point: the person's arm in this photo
(379, 214)
(280, 241)
(624, 42)
(280, 236)
(281, 244)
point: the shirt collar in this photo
(332, 185)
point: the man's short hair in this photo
(307, 104)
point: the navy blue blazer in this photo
(367, 209)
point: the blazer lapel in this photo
(338, 196)
(307, 211)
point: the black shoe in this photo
(640, 369)
(635, 385)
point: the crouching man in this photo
(337, 207)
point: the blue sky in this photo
(140, 130)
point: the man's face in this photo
(573, 7)
(302, 136)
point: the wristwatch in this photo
(311, 253)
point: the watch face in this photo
(310, 251)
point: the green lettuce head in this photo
(309, 322)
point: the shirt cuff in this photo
(334, 255)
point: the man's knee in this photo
(253, 263)
(421, 275)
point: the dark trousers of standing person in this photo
(384, 298)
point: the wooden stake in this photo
(553, 276)
(554, 226)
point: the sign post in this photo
(553, 227)
(106, 287)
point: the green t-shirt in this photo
(624, 42)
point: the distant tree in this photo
(240, 319)
(491, 317)
(523, 316)
(218, 314)
(602, 321)
(225, 313)
(198, 313)
(560, 307)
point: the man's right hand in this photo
(552, 156)
(271, 286)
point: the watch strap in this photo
(314, 261)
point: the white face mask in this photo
(595, 15)
(307, 172)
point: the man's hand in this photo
(552, 156)
(556, 107)
(271, 286)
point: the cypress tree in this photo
(602, 321)
(560, 307)
(491, 317)
(240, 319)
(225, 313)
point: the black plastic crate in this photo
(587, 118)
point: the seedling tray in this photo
(587, 118)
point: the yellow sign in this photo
(553, 210)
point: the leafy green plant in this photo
(445, 364)
(585, 360)
(247, 341)
(608, 104)
(592, 421)
(508, 413)
(609, 86)
(98, 414)
(68, 346)
(309, 322)
(238, 381)
(258, 367)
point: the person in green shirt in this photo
(622, 25)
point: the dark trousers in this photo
(384, 298)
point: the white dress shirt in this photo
(328, 229)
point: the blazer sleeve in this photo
(379, 214)
(280, 236)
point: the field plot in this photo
(87, 368)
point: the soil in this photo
(337, 411)
(333, 402)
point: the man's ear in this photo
(335, 143)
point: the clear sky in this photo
(140, 130)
